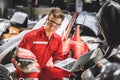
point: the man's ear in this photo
(47, 19)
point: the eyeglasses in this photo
(53, 23)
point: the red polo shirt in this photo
(43, 48)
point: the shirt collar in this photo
(44, 35)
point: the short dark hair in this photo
(56, 12)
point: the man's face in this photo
(53, 23)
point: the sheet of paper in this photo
(18, 17)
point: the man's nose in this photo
(52, 27)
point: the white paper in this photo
(19, 17)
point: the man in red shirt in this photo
(45, 43)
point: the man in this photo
(45, 43)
